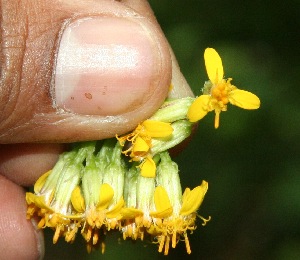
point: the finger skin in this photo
(24, 163)
(30, 33)
(18, 238)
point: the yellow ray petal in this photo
(39, 201)
(157, 128)
(162, 203)
(131, 213)
(106, 195)
(213, 64)
(193, 199)
(199, 108)
(41, 181)
(148, 168)
(185, 193)
(115, 212)
(140, 146)
(77, 200)
(244, 99)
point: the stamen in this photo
(56, 234)
(129, 231)
(167, 245)
(161, 243)
(217, 119)
(70, 235)
(103, 248)
(88, 234)
(187, 244)
(95, 237)
(141, 235)
(89, 247)
(41, 223)
(174, 240)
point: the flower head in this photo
(171, 224)
(140, 143)
(218, 92)
(84, 191)
(160, 209)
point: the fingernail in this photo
(105, 66)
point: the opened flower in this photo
(170, 224)
(139, 144)
(159, 208)
(218, 92)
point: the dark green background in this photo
(252, 161)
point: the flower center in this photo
(220, 92)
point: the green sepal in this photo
(173, 110)
(182, 129)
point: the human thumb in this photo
(78, 68)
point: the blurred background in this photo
(252, 161)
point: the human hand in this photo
(64, 79)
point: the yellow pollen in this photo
(220, 93)
(225, 100)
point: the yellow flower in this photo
(92, 191)
(171, 223)
(137, 144)
(103, 215)
(59, 216)
(83, 192)
(218, 92)
(157, 207)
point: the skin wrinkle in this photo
(12, 45)
(23, 58)
(40, 117)
(29, 59)
(50, 124)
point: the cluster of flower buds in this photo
(130, 183)
(95, 191)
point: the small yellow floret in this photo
(218, 92)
